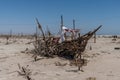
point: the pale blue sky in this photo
(19, 15)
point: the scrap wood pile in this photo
(50, 46)
(73, 49)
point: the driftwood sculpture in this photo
(68, 49)
(74, 48)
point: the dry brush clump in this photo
(72, 50)
(6, 37)
(91, 78)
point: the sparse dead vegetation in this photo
(91, 78)
(72, 49)
(24, 71)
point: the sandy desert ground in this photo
(103, 62)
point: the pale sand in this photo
(104, 62)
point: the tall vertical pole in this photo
(94, 37)
(48, 31)
(62, 26)
(36, 30)
(73, 33)
(73, 24)
(36, 37)
(61, 22)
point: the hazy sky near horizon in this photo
(19, 15)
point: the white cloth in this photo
(65, 29)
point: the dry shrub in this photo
(91, 78)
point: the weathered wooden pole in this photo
(73, 24)
(79, 35)
(61, 22)
(40, 27)
(73, 34)
(62, 29)
(48, 32)
(36, 35)
(94, 37)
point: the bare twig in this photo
(24, 72)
